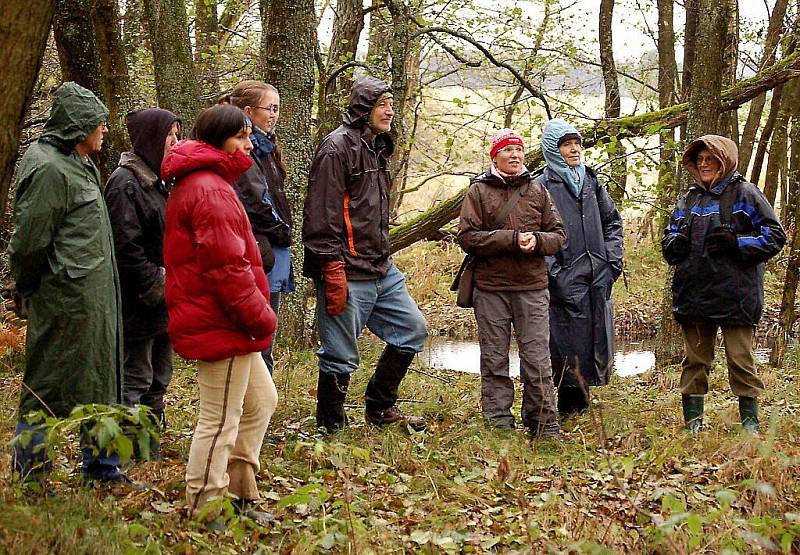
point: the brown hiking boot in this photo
(393, 415)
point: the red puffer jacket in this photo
(217, 292)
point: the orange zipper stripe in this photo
(351, 243)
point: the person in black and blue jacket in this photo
(720, 234)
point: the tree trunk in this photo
(79, 59)
(348, 23)
(667, 75)
(692, 8)
(404, 54)
(290, 26)
(114, 78)
(757, 105)
(729, 121)
(176, 86)
(766, 133)
(787, 317)
(206, 51)
(24, 28)
(616, 149)
(380, 27)
(779, 142)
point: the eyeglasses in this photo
(272, 108)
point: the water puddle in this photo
(631, 358)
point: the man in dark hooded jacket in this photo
(719, 236)
(346, 238)
(136, 198)
(62, 259)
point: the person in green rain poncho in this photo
(62, 259)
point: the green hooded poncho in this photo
(62, 258)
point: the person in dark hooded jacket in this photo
(582, 274)
(136, 198)
(346, 239)
(719, 236)
(62, 259)
(511, 283)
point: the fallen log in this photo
(427, 224)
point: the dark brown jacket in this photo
(501, 266)
(346, 213)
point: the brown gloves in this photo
(335, 287)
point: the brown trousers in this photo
(237, 401)
(699, 340)
(528, 311)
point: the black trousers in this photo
(148, 371)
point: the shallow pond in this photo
(630, 357)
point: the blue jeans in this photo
(383, 305)
(275, 303)
(31, 464)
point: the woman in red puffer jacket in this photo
(218, 303)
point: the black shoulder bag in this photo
(464, 281)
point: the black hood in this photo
(364, 95)
(148, 129)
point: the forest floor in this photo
(626, 477)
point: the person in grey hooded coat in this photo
(582, 274)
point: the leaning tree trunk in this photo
(24, 27)
(334, 90)
(766, 134)
(703, 117)
(757, 105)
(176, 86)
(290, 26)
(616, 149)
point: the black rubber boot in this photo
(571, 401)
(748, 411)
(331, 393)
(381, 394)
(692, 412)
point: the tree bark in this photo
(379, 31)
(787, 317)
(616, 149)
(24, 28)
(692, 8)
(206, 51)
(348, 23)
(766, 134)
(114, 77)
(667, 77)
(757, 105)
(780, 142)
(176, 86)
(290, 26)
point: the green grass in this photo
(626, 477)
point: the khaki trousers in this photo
(237, 400)
(699, 344)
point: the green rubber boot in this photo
(748, 410)
(692, 412)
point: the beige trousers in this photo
(237, 400)
(699, 340)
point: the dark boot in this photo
(748, 411)
(571, 401)
(331, 393)
(545, 430)
(692, 412)
(381, 394)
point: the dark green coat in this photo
(62, 258)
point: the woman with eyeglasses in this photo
(261, 189)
